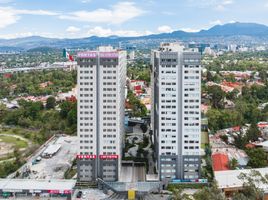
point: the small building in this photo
(30, 187)
(229, 182)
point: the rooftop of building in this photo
(229, 179)
(220, 162)
(31, 184)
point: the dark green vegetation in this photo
(37, 124)
(32, 57)
(138, 109)
(139, 70)
(207, 171)
(240, 62)
(245, 111)
(36, 121)
(25, 84)
(12, 161)
(33, 115)
(11, 166)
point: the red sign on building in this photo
(108, 157)
(67, 192)
(86, 156)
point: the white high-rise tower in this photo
(176, 112)
(101, 104)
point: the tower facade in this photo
(101, 103)
(176, 110)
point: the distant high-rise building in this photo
(232, 47)
(176, 110)
(101, 104)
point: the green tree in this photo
(240, 141)
(233, 164)
(217, 96)
(50, 103)
(253, 133)
(138, 109)
(263, 75)
(72, 116)
(177, 194)
(65, 108)
(257, 158)
(209, 76)
(224, 138)
(209, 193)
(232, 95)
(3, 111)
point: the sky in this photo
(84, 18)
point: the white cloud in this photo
(190, 30)
(86, 1)
(168, 13)
(5, 1)
(9, 15)
(105, 32)
(219, 5)
(164, 29)
(232, 22)
(118, 14)
(72, 29)
(227, 2)
(216, 22)
(16, 35)
(222, 5)
(30, 33)
(35, 12)
(266, 5)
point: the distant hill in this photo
(248, 29)
(42, 50)
(232, 31)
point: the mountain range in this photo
(231, 32)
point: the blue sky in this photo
(82, 18)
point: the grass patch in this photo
(32, 135)
(17, 142)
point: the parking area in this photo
(62, 152)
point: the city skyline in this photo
(84, 18)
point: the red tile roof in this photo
(220, 162)
(236, 128)
(250, 146)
